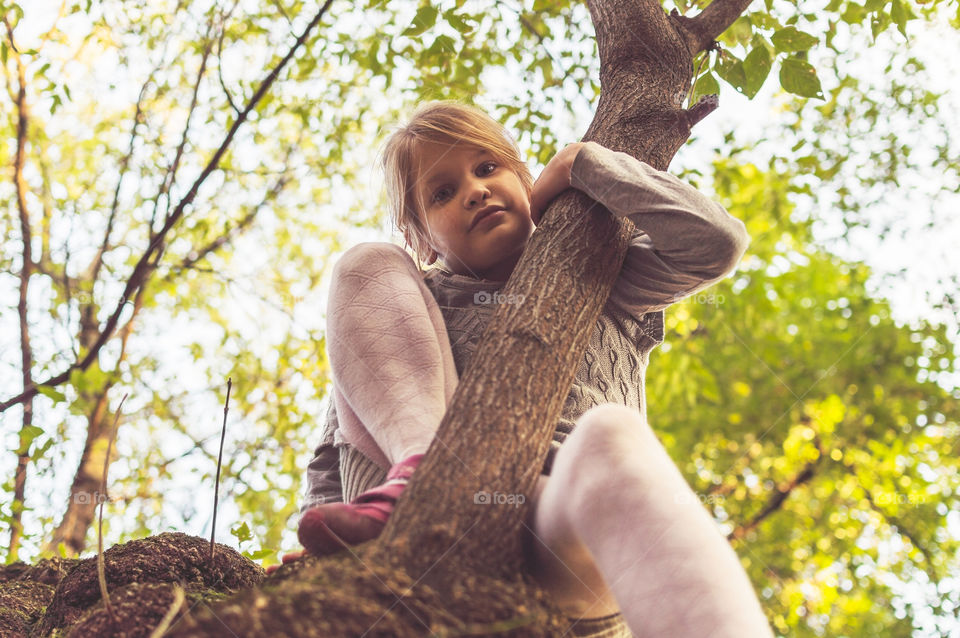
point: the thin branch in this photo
(164, 624)
(26, 352)
(896, 523)
(196, 256)
(101, 497)
(776, 501)
(216, 483)
(171, 176)
(223, 32)
(94, 269)
(699, 31)
(706, 105)
(145, 265)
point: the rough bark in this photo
(440, 546)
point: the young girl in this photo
(615, 533)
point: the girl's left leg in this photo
(616, 525)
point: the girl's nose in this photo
(477, 193)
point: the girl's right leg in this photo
(393, 374)
(392, 366)
(617, 525)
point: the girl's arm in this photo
(687, 241)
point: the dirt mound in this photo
(166, 559)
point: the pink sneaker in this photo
(329, 528)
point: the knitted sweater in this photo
(682, 243)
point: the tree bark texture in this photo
(496, 432)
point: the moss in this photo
(26, 597)
(362, 593)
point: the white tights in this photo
(615, 525)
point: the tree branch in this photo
(699, 31)
(776, 501)
(171, 177)
(223, 32)
(144, 265)
(897, 524)
(196, 256)
(124, 164)
(26, 353)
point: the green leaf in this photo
(27, 434)
(741, 30)
(457, 22)
(756, 67)
(260, 554)
(52, 393)
(792, 39)
(900, 12)
(242, 532)
(443, 44)
(706, 85)
(800, 78)
(38, 453)
(730, 68)
(426, 17)
(854, 14)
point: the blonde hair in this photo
(445, 122)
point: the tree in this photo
(754, 510)
(638, 112)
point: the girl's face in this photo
(459, 186)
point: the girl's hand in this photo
(554, 179)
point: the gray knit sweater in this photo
(683, 243)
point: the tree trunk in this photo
(439, 549)
(85, 489)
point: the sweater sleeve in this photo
(685, 242)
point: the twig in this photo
(706, 105)
(707, 25)
(216, 483)
(101, 497)
(164, 624)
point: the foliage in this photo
(791, 380)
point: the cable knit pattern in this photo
(612, 368)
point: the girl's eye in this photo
(442, 195)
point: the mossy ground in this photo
(141, 576)
(358, 592)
